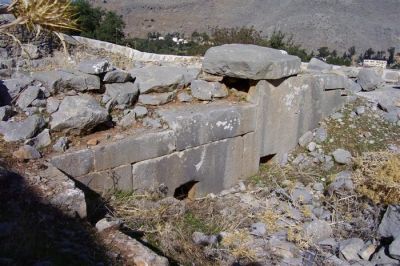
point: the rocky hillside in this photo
(338, 24)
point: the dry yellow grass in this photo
(378, 177)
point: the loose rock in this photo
(27, 152)
(342, 156)
(28, 128)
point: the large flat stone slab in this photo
(216, 166)
(200, 124)
(247, 61)
(134, 149)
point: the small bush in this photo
(378, 177)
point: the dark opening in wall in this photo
(267, 158)
(239, 84)
(185, 191)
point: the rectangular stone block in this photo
(216, 166)
(134, 149)
(76, 163)
(119, 178)
(251, 155)
(291, 107)
(201, 124)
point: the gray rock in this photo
(337, 116)
(75, 164)
(349, 248)
(369, 80)
(157, 99)
(28, 128)
(159, 78)
(321, 134)
(28, 96)
(64, 80)
(39, 103)
(30, 51)
(302, 195)
(152, 123)
(311, 146)
(342, 181)
(184, 97)
(108, 223)
(258, 229)
(306, 138)
(5, 112)
(52, 105)
(80, 113)
(117, 76)
(382, 259)
(204, 240)
(318, 187)
(342, 156)
(95, 67)
(318, 65)
(27, 152)
(392, 116)
(42, 140)
(329, 242)
(390, 223)
(10, 88)
(140, 111)
(122, 93)
(206, 91)
(249, 62)
(61, 144)
(352, 87)
(360, 110)
(366, 252)
(128, 120)
(317, 231)
(335, 261)
(394, 249)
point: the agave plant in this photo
(38, 15)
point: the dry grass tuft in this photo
(271, 219)
(237, 243)
(378, 177)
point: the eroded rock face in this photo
(122, 93)
(369, 80)
(390, 224)
(206, 91)
(159, 78)
(117, 76)
(28, 128)
(249, 62)
(95, 67)
(80, 113)
(318, 65)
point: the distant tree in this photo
(88, 17)
(351, 51)
(277, 40)
(323, 52)
(111, 29)
(369, 53)
(391, 51)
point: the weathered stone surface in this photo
(10, 88)
(127, 120)
(318, 65)
(200, 124)
(391, 76)
(108, 224)
(206, 91)
(30, 51)
(80, 113)
(342, 156)
(5, 112)
(184, 97)
(216, 166)
(369, 80)
(342, 181)
(76, 163)
(390, 223)
(202, 239)
(140, 111)
(249, 62)
(385, 97)
(301, 102)
(52, 105)
(117, 76)
(64, 80)
(317, 231)
(134, 149)
(159, 78)
(28, 96)
(42, 140)
(119, 178)
(381, 258)
(26, 152)
(134, 251)
(61, 144)
(64, 194)
(95, 67)
(122, 93)
(306, 138)
(28, 128)
(394, 249)
(157, 98)
(349, 248)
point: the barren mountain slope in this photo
(338, 24)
